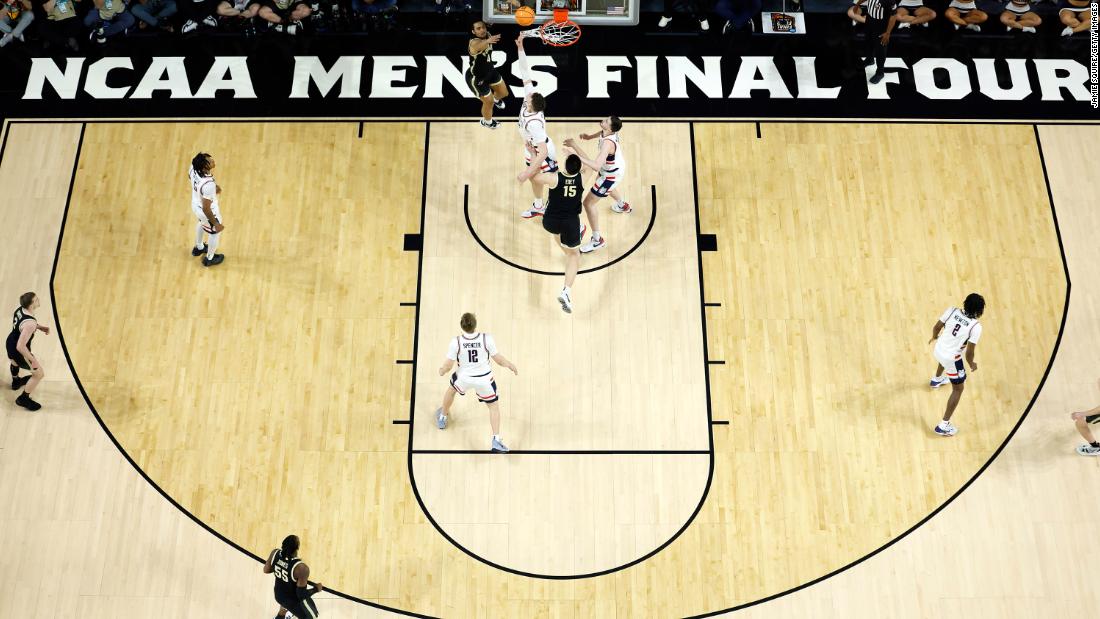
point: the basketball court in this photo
(734, 420)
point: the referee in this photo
(880, 23)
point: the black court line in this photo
(713, 362)
(401, 422)
(758, 130)
(570, 452)
(412, 242)
(712, 305)
(408, 304)
(111, 436)
(951, 499)
(470, 227)
(404, 362)
(360, 130)
(719, 423)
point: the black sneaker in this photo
(492, 124)
(26, 402)
(877, 77)
(18, 382)
(218, 259)
(195, 251)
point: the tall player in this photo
(291, 578)
(610, 163)
(23, 327)
(540, 156)
(484, 79)
(563, 219)
(956, 330)
(472, 351)
(204, 203)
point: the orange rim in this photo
(561, 15)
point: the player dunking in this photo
(563, 218)
(472, 351)
(204, 204)
(955, 331)
(483, 78)
(610, 162)
(291, 578)
(540, 154)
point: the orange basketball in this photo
(525, 16)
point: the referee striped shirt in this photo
(880, 9)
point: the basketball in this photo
(525, 16)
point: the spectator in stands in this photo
(59, 28)
(1019, 16)
(198, 12)
(18, 12)
(285, 15)
(243, 11)
(690, 7)
(965, 14)
(154, 13)
(914, 13)
(380, 14)
(1075, 15)
(738, 14)
(106, 19)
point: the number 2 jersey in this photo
(472, 352)
(958, 329)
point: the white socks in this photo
(198, 236)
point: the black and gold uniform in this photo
(286, 588)
(563, 209)
(17, 320)
(482, 75)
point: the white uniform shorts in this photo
(197, 210)
(550, 164)
(952, 367)
(484, 386)
(606, 181)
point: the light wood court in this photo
(624, 372)
(260, 394)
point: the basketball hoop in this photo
(559, 31)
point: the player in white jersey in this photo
(540, 155)
(472, 351)
(204, 204)
(610, 163)
(956, 331)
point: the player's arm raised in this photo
(936, 330)
(479, 45)
(503, 362)
(605, 150)
(268, 567)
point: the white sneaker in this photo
(1088, 450)
(211, 21)
(704, 25)
(1067, 32)
(1029, 29)
(974, 27)
(625, 208)
(189, 26)
(533, 212)
(490, 124)
(937, 382)
(664, 22)
(566, 302)
(903, 24)
(592, 246)
(946, 428)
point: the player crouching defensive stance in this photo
(472, 351)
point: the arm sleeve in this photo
(490, 345)
(946, 314)
(525, 75)
(452, 350)
(975, 334)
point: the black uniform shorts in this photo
(482, 86)
(568, 227)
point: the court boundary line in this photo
(610, 263)
(1065, 313)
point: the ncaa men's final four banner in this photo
(619, 72)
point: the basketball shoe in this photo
(534, 211)
(937, 382)
(1088, 450)
(593, 245)
(498, 446)
(946, 428)
(440, 419)
(492, 124)
(622, 208)
(566, 302)
(198, 251)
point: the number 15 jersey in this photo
(958, 329)
(472, 352)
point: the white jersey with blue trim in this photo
(958, 330)
(202, 187)
(616, 160)
(472, 352)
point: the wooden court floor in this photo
(275, 393)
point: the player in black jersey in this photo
(484, 79)
(563, 218)
(23, 327)
(291, 578)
